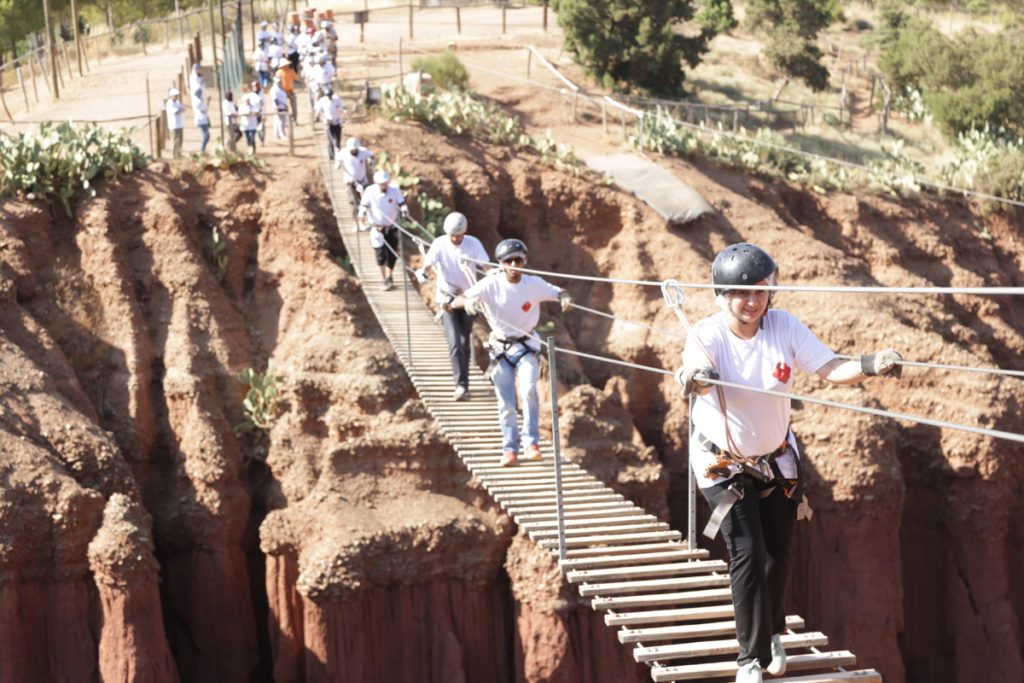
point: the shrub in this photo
(260, 402)
(62, 161)
(445, 70)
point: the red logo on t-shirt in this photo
(781, 372)
(390, 200)
(526, 306)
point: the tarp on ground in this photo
(657, 187)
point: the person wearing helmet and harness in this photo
(452, 259)
(743, 453)
(358, 164)
(383, 203)
(511, 301)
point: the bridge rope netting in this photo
(668, 599)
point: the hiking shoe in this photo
(461, 393)
(749, 673)
(508, 458)
(533, 452)
(777, 667)
(388, 284)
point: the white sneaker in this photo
(461, 393)
(749, 673)
(778, 663)
(337, 164)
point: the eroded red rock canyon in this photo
(141, 539)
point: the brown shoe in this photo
(508, 458)
(533, 452)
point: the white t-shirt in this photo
(279, 97)
(514, 307)
(250, 109)
(455, 274)
(383, 208)
(229, 110)
(200, 112)
(330, 109)
(261, 59)
(175, 114)
(758, 423)
(355, 165)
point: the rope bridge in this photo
(668, 600)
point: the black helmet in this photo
(741, 265)
(506, 249)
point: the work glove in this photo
(447, 304)
(565, 300)
(404, 210)
(473, 306)
(421, 276)
(882, 363)
(690, 379)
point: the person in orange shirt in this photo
(288, 77)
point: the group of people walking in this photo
(742, 450)
(280, 61)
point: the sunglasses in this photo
(514, 261)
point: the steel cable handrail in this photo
(983, 431)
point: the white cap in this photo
(381, 177)
(455, 224)
(173, 92)
(352, 143)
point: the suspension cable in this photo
(628, 321)
(995, 433)
(842, 289)
(939, 366)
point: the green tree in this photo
(633, 43)
(792, 27)
(966, 82)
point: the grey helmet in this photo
(509, 248)
(455, 224)
(739, 266)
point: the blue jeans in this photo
(505, 379)
(205, 128)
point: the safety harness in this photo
(763, 468)
(502, 353)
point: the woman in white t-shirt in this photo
(511, 301)
(742, 451)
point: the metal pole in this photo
(78, 38)
(556, 447)
(149, 112)
(691, 488)
(220, 79)
(51, 48)
(405, 290)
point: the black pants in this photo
(457, 328)
(758, 533)
(333, 138)
(385, 256)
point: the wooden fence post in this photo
(410, 19)
(21, 82)
(458, 20)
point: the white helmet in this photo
(324, 24)
(352, 143)
(381, 177)
(455, 224)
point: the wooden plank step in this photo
(703, 629)
(622, 510)
(861, 676)
(661, 599)
(728, 646)
(573, 532)
(663, 616)
(710, 670)
(663, 584)
(514, 505)
(682, 553)
(617, 520)
(636, 548)
(670, 569)
(597, 539)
